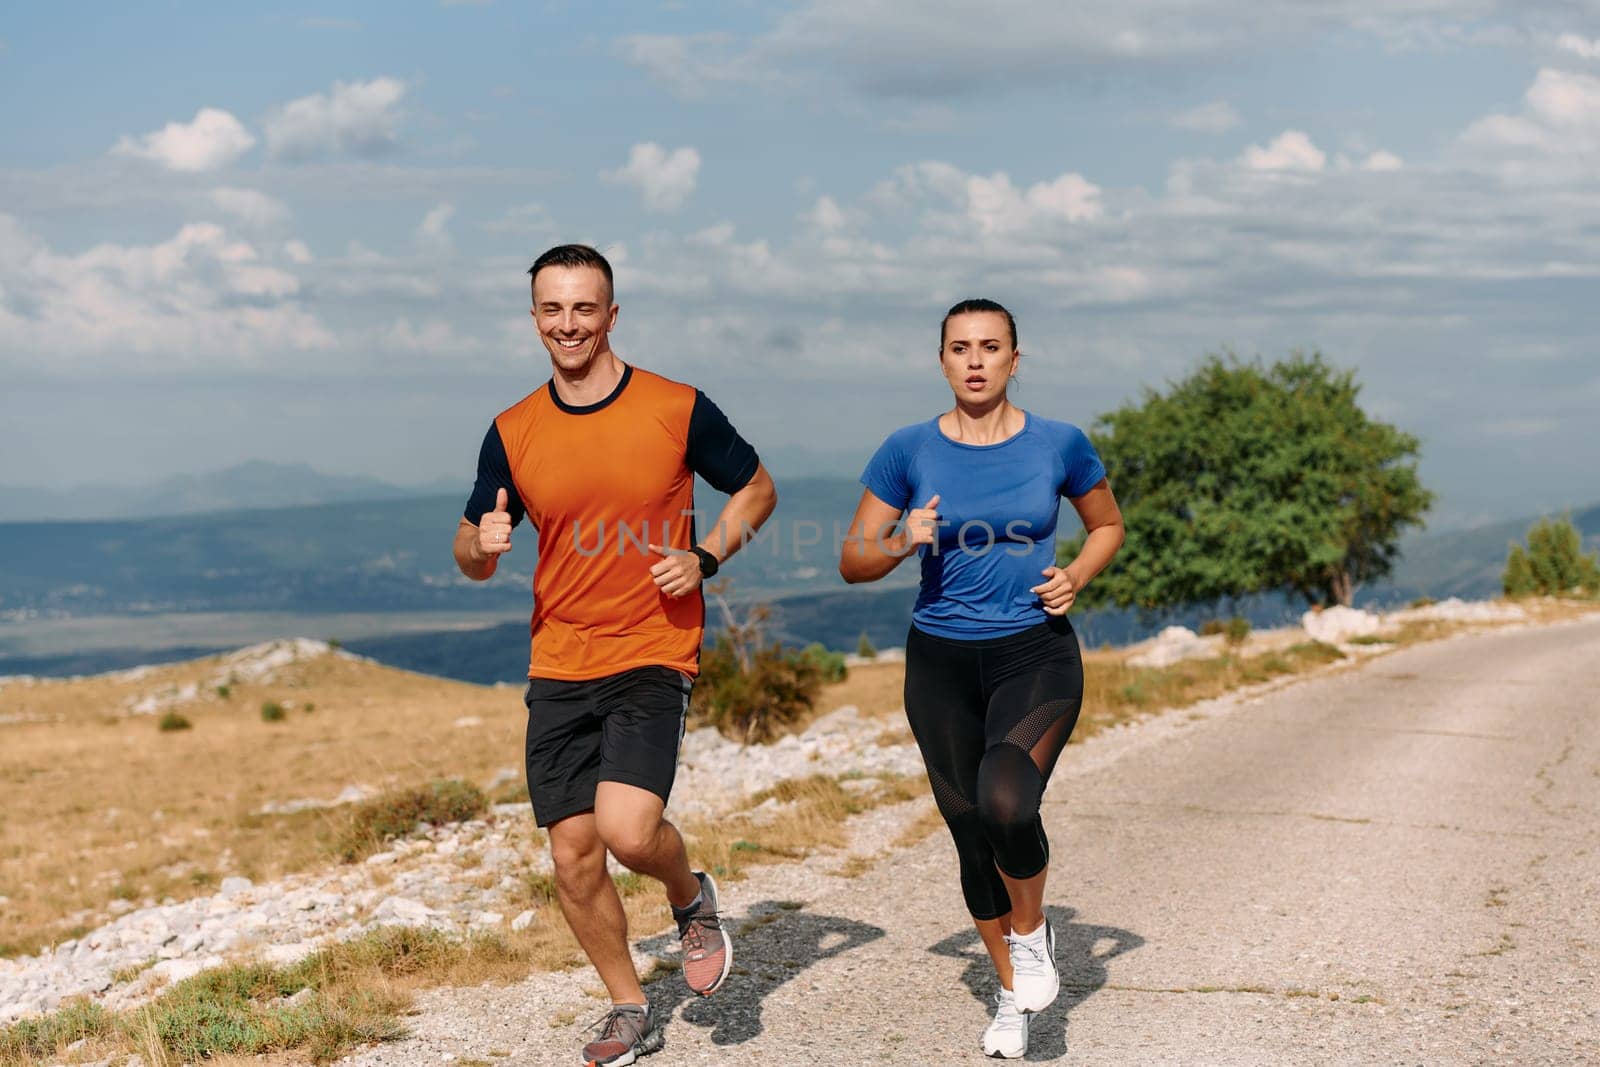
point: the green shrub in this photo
(754, 699)
(224, 690)
(36, 1040)
(1552, 563)
(1213, 627)
(864, 647)
(1422, 602)
(831, 664)
(397, 813)
(172, 721)
(1237, 630)
(272, 711)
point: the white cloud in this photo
(1583, 47)
(199, 298)
(1557, 133)
(1291, 150)
(999, 207)
(361, 118)
(526, 219)
(213, 139)
(664, 178)
(1218, 116)
(955, 48)
(990, 205)
(433, 232)
(826, 215)
(1382, 161)
(431, 337)
(688, 65)
(298, 252)
(252, 207)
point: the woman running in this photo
(993, 676)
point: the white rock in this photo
(1339, 623)
(487, 918)
(404, 909)
(381, 859)
(467, 720)
(175, 971)
(235, 885)
(1172, 645)
(283, 955)
(524, 920)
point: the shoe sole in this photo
(652, 1042)
(727, 945)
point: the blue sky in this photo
(299, 232)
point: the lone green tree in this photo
(1552, 563)
(1245, 478)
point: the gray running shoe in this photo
(1033, 968)
(1007, 1035)
(707, 949)
(625, 1034)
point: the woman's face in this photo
(978, 357)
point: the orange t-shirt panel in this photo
(599, 484)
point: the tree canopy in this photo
(1245, 478)
(1553, 563)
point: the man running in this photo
(601, 460)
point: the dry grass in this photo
(876, 689)
(810, 813)
(131, 813)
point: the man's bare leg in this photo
(592, 908)
(629, 822)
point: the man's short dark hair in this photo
(573, 256)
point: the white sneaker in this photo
(1034, 980)
(1007, 1035)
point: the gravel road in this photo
(1396, 863)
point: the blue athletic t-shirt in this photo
(997, 512)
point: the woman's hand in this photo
(1057, 591)
(922, 524)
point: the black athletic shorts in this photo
(622, 728)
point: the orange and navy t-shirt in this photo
(599, 483)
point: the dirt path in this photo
(1395, 863)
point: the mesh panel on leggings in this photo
(1027, 733)
(947, 796)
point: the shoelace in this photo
(693, 933)
(1008, 1020)
(1033, 962)
(607, 1027)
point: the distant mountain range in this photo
(383, 556)
(253, 485)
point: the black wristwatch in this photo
(708, 562)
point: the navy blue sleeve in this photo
(1082, 463)
(716, 452)
(494, 474)
(886, 473)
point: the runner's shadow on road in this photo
(779, 941)
(1082, 952)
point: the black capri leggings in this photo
(991, 717)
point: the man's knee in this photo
(579, 858)
(631, 840)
